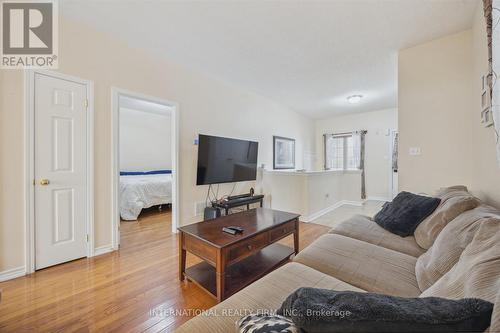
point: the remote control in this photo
(239, 229)
(230, 231)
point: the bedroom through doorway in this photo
(144, 169)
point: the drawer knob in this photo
(283, 231)
(249, 247)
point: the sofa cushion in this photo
(454, 201)
(405, 213)
(452, 188)
(363, 228)
(364, 265)
(450, 244)
(266, 294)
(477, 272)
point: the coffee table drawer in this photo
(200, 249)
(282, 231)
(248, 247)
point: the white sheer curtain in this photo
(359, 153)
(356, 142)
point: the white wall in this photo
(145, 141)
(11, 170)
(206, 105)
(378, 143)
(435, 100)
(439, 111)
(310, 193)
(486, 172)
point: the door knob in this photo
(44, 182)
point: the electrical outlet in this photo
(415, 151)
(199, 208)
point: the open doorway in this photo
(145, 173)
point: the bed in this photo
(140, 190)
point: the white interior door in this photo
(60, 170)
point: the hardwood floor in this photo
(114, 292)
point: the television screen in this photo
(225, 160)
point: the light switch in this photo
(415, 151)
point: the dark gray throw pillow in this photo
(321, 310)
(403, 215)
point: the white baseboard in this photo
(314, 216)
(378, 199)
(103, 249)
(21, 271)
(12, 273)
(352, 203)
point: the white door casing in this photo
(393, 176)
(115, 168)
(60, 170)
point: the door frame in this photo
(115, 165)
(392, 136)
(29, 161)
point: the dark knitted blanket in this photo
(321, 310)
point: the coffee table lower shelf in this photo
(241, 274)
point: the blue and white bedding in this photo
(143, 190)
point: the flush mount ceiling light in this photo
(354, 99)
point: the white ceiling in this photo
(308, 55)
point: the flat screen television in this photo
(225, 160)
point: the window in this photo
(340, 152)
(334, 153)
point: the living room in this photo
(286, 75)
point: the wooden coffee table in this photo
(231, 262)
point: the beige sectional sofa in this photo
(458, 256)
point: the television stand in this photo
(238, 201)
